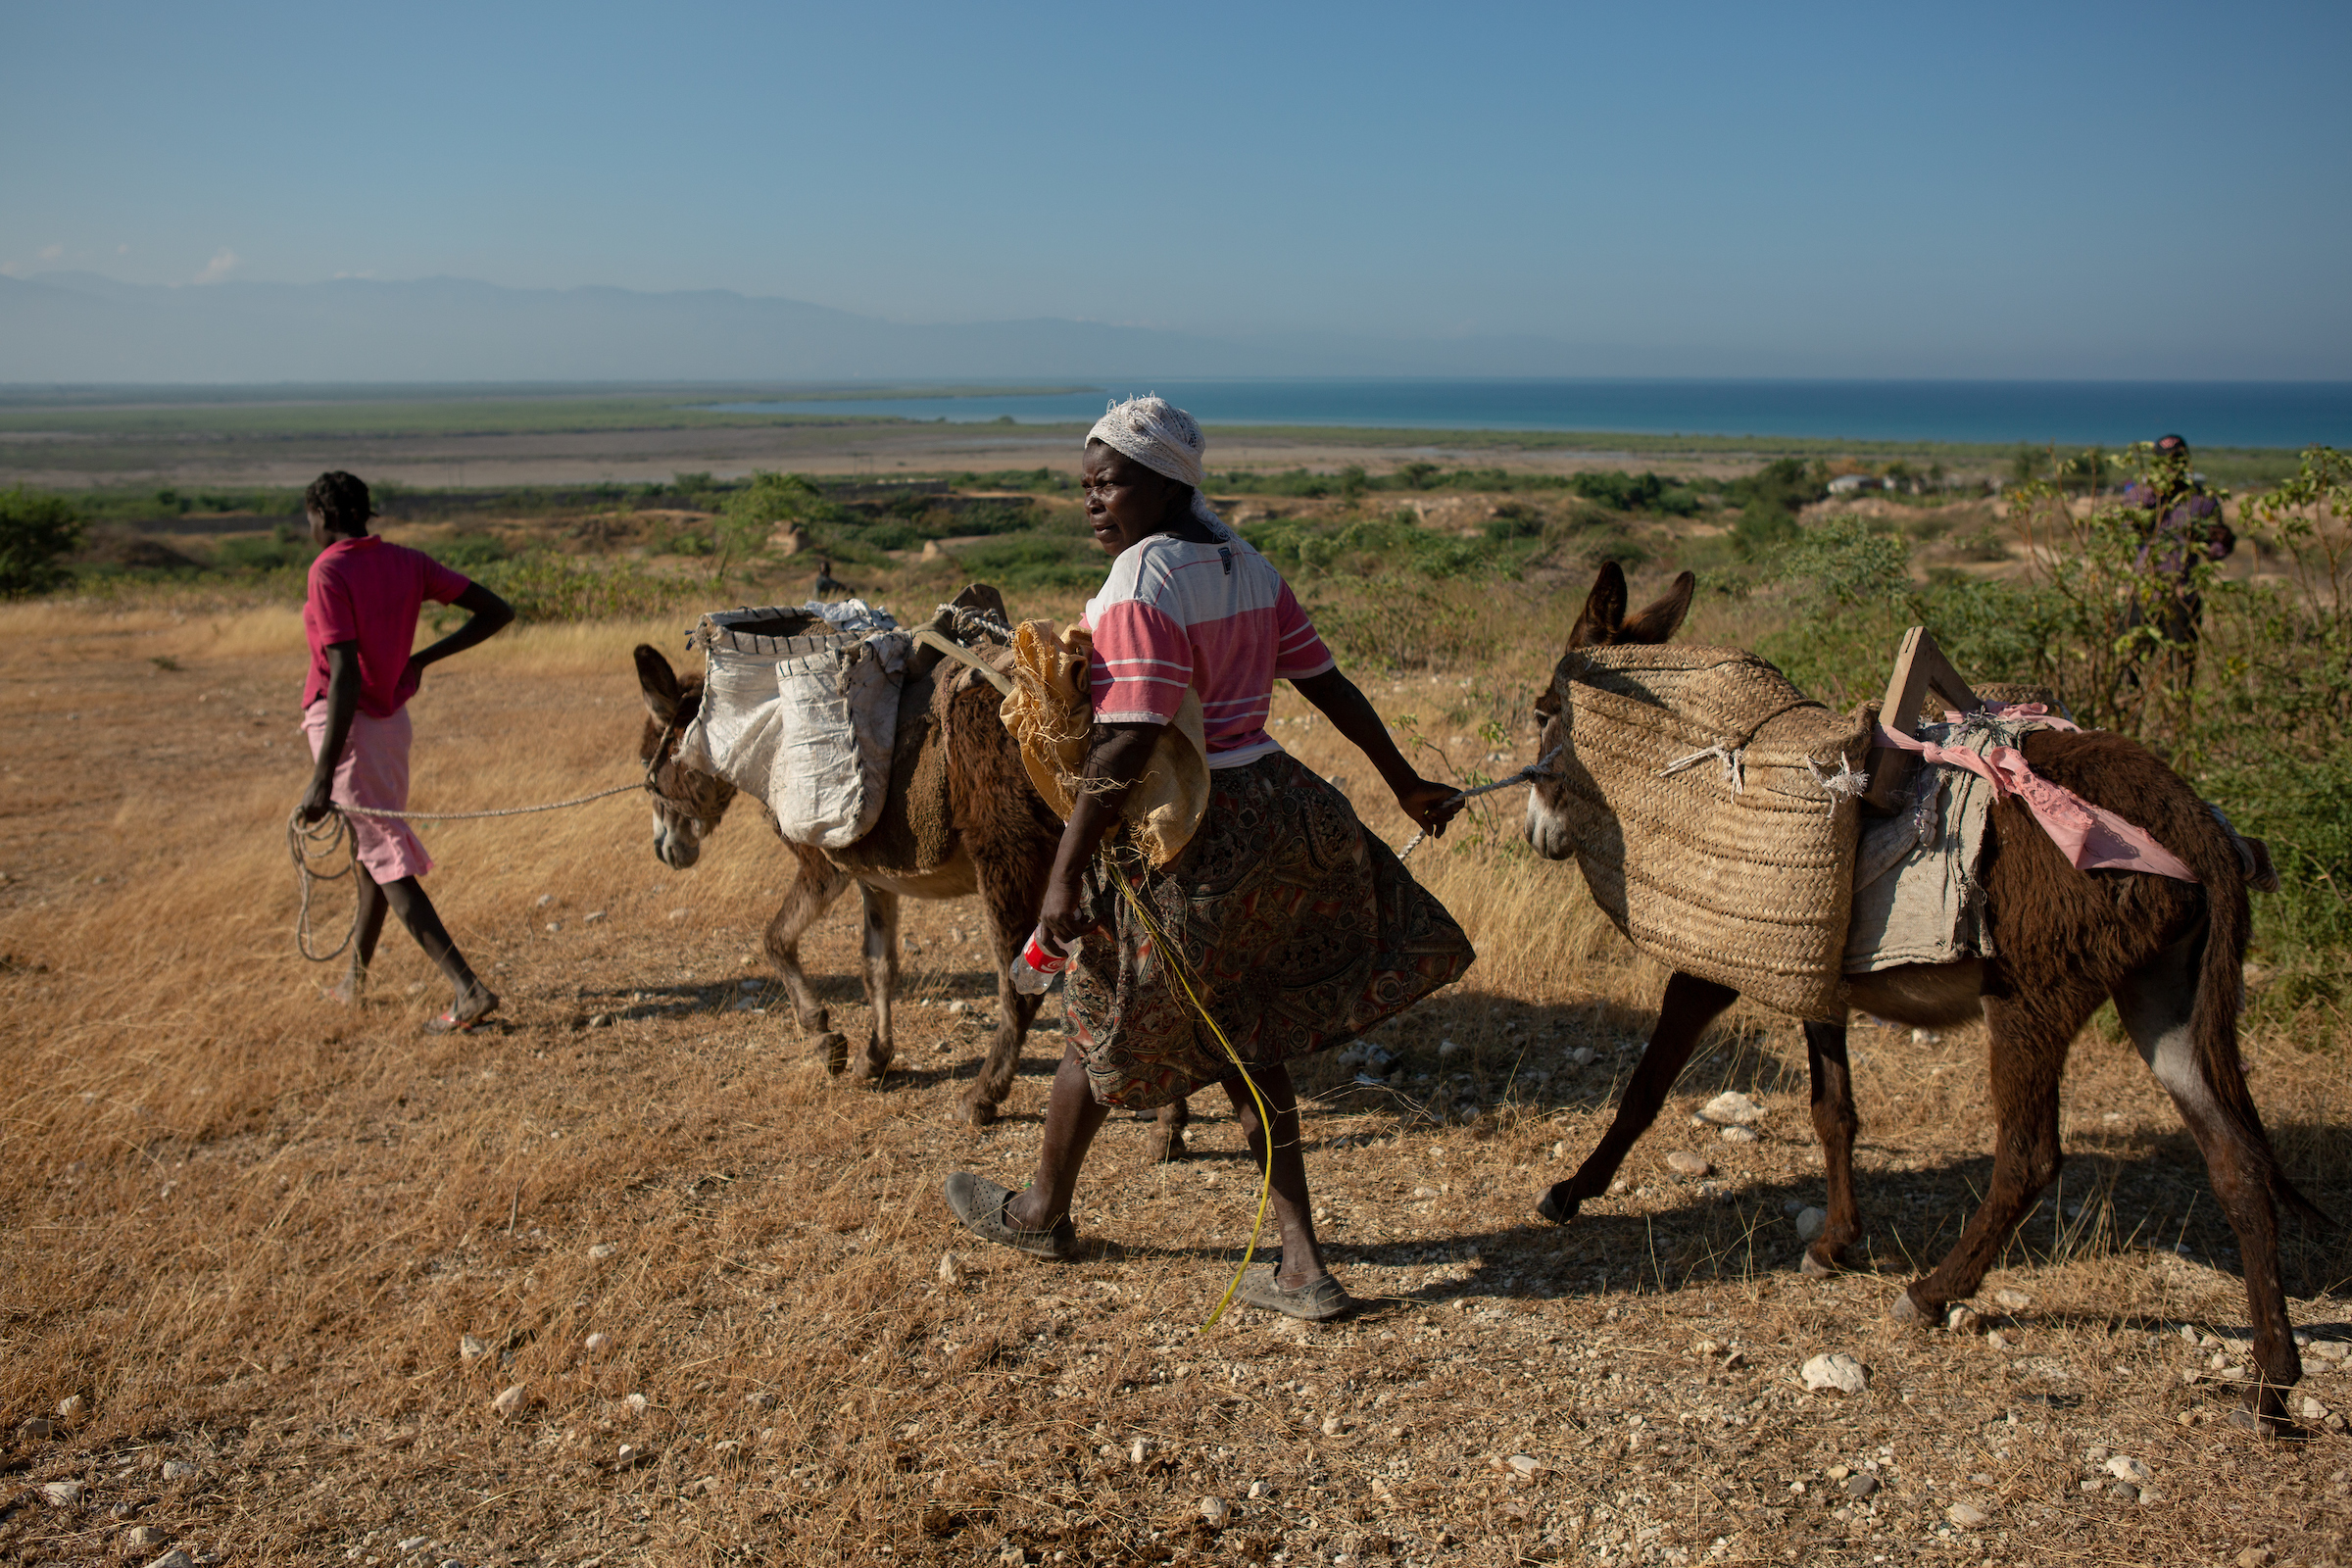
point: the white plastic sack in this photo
(799, 710)
(836, 717)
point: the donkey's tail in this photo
(2220, 991)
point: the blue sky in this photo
(2050, 190)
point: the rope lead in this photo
(315, 845)
(1533, 771)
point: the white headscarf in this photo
(1164, 438)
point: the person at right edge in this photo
(1300, 929)
(2181, 527)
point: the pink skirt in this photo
(374, 772)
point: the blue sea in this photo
(2214, 414)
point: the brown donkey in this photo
(1002, 840)
(2167, 951)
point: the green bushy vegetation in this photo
(37, 532)
(1769, 501)
(1643, 492)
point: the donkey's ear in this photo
(658, 682)
(1603, 612)
(1658, 624)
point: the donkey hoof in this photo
(1557, 1206)
(835, 1049)
(978, 1113)
(871, 1069)
(1814, 1265)
(1170, 1151)
(1906, 1309)
(2271, 1423)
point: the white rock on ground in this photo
(178, 1470)
(142, 1537)
(1739, 1135)
(62, 1493)
(1966, 1517)
(470, 1348)
(1961, 1320)
(603, 1249)
(2127, 1469)
(950, 1272)
(1834, 1370)
(72, 1406)
(1215, 1510)
(598, 1341)
(510, 1399)
(1732, 1108)
(1810, 1223)
(636, 1404)
(2012, 1300)
(174, 1558)
(1682, 1162)
(1527, 1465)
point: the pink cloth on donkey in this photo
(374, 772)
(2091, 836)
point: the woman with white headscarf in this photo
(1298, 928)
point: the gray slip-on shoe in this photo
(979, 1204)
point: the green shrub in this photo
(284, 547)
(37, 532)
(1514, 520)
(1036, 560)
(469, 551)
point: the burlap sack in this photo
(1050, 712)
(1695, 791)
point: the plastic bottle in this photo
(1040, 961)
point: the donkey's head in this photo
(687, 802)
(1602, 624)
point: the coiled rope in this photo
(316, 846)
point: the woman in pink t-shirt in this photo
(360, 616)
(1301, 928)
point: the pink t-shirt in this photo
(1216, 618)
(366, 591)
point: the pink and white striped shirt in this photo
(1216, 618)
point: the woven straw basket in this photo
(1750, 888)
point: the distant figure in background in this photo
(360, 621)
(827, 587)
(2181, 526)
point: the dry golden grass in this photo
(248, 1229)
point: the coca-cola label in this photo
(1042, 959)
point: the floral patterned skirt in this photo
(1300, 929)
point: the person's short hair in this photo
(341, 500)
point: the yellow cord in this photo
(1266, 1117)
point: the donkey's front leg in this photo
(1689, 1005)
(881, 977)
(1835, 1125)
(805, 902)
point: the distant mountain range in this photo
(80, 328)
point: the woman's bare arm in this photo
(1430, 804)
